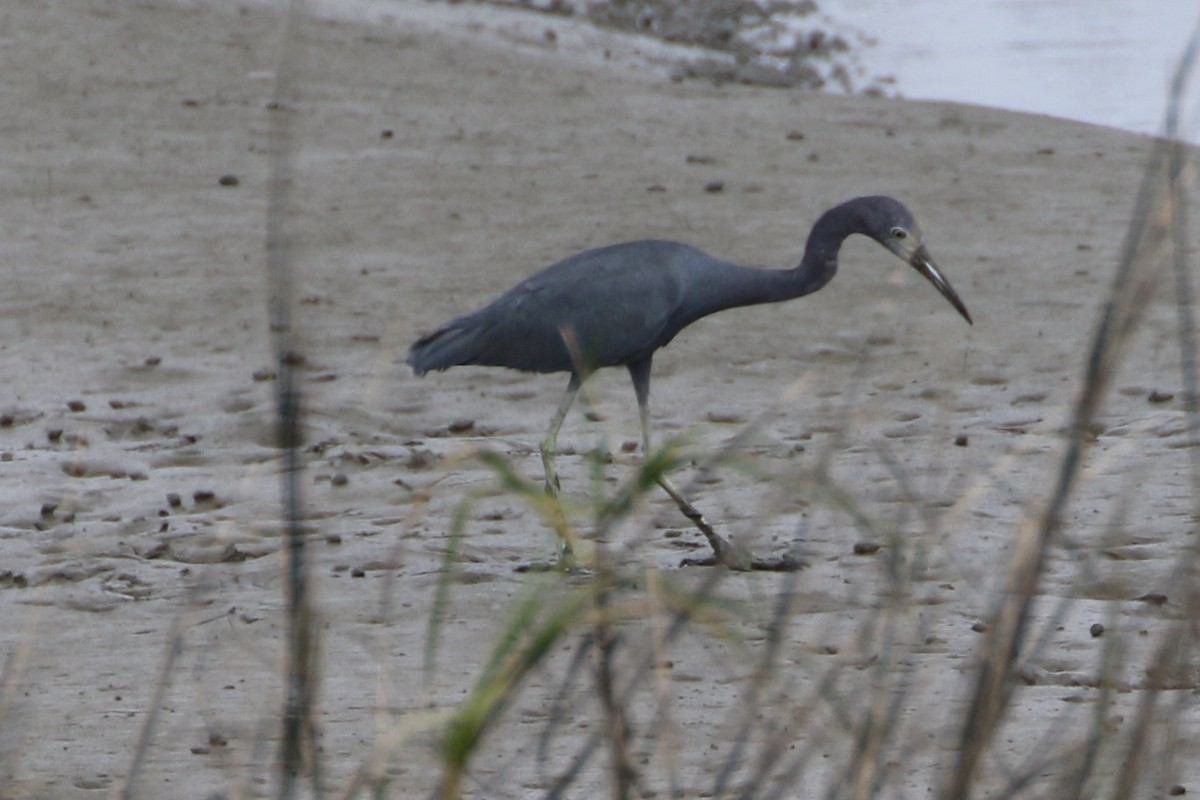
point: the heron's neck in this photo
(816, 269)
(729, 286)
(820, 261)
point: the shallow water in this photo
(1101, 61)
(1107, 62)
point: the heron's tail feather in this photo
(449, 346)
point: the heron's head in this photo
(888, 222)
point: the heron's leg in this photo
(550, 440)
(549, 448)
(725, 553)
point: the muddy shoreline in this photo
(435, 166)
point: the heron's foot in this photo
(575, 560)
(784, 563)
(731, 555)
(566, 562)
(725, 553)
(567, 566)
(558, 565)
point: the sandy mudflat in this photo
(139, 483)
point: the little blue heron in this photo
(617, 305)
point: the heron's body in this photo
(617, 305)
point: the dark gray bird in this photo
(617, 305)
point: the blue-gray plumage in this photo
(617, 305)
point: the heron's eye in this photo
(899, 234)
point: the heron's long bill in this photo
(923, 264)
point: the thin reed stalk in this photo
(298, 746)
(1156, 228)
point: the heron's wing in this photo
(602, 307)
(610, 306)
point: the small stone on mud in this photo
(866, 548)
(158, 551)
(419, 459)
(173, 500)
(980, 627)
(461, 425)
(961, 440)
(228, 180)
(204, 495)
(339, 479)
(54, 434)
(14, 579)
(232, 554)
(48, 509)
(1160, 397)
(712, 187)
(1097, 630)
(1153, 598)
(358, 572)
(76, 405)
(6, 420)
(629, 445)
(1176, 790)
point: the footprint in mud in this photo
(105, 467)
